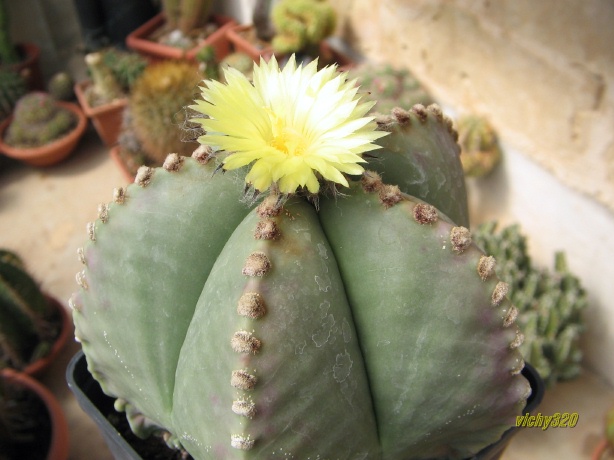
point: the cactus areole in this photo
(329, 315)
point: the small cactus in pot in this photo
(155, 115)
(38, 120)
(28, 327)
(299, 304)
(300, 26)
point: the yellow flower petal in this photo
(295, 126)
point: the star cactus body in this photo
(369, 326)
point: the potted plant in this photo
(104, 96)
(34, 327)
(298, 304)
(180, 30)
(22, 58)
(32, 422)
(42, 131)
(299, 27)
(154, 117)
(550, 303)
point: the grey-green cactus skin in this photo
(282, 330)
(551, 303)
(423, 159)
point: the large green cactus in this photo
(359, 324)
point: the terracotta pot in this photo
(139, 40)
(239, 38)
(106, 118)
(51, 153)
(114, 152)
(59, 442)
(38, 367)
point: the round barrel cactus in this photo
(273, 296)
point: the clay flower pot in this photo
(115, 155)
(140, 40)
(51, 153)
(58, 439)
(106, 118)
(243, 38)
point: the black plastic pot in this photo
(98, 405)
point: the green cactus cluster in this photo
(38, 120)
(25, 328)
(389, 87)
(369, 325)
(550, 303)
(300, 25)
(12, 88)
(126, 66)
(156, 122)
(481, 152)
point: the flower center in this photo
(287, 139)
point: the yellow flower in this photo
(294, 125)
